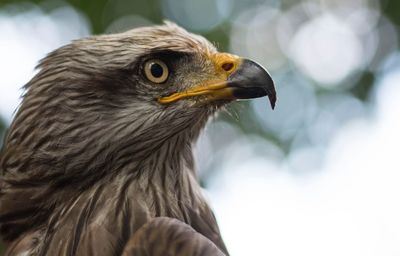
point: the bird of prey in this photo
(98, 159)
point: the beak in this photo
(249, 80)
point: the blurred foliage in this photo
(391, 9)
(101, 13)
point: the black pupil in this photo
(156, 70)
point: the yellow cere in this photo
(225, 65)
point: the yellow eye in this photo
(156, 71)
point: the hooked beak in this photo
(249, 80)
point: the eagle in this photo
(98, 158)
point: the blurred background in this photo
(319, 175)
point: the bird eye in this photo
(156, 71)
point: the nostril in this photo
(227, 66)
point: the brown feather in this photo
(90, 158)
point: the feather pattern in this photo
(92, 165)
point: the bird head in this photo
(118, 97)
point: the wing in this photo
(167, 236)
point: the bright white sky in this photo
(349, 207)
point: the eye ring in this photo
(156, 71)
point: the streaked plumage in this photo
(93, 158)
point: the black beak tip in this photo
(269, 87)
(272, 99)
